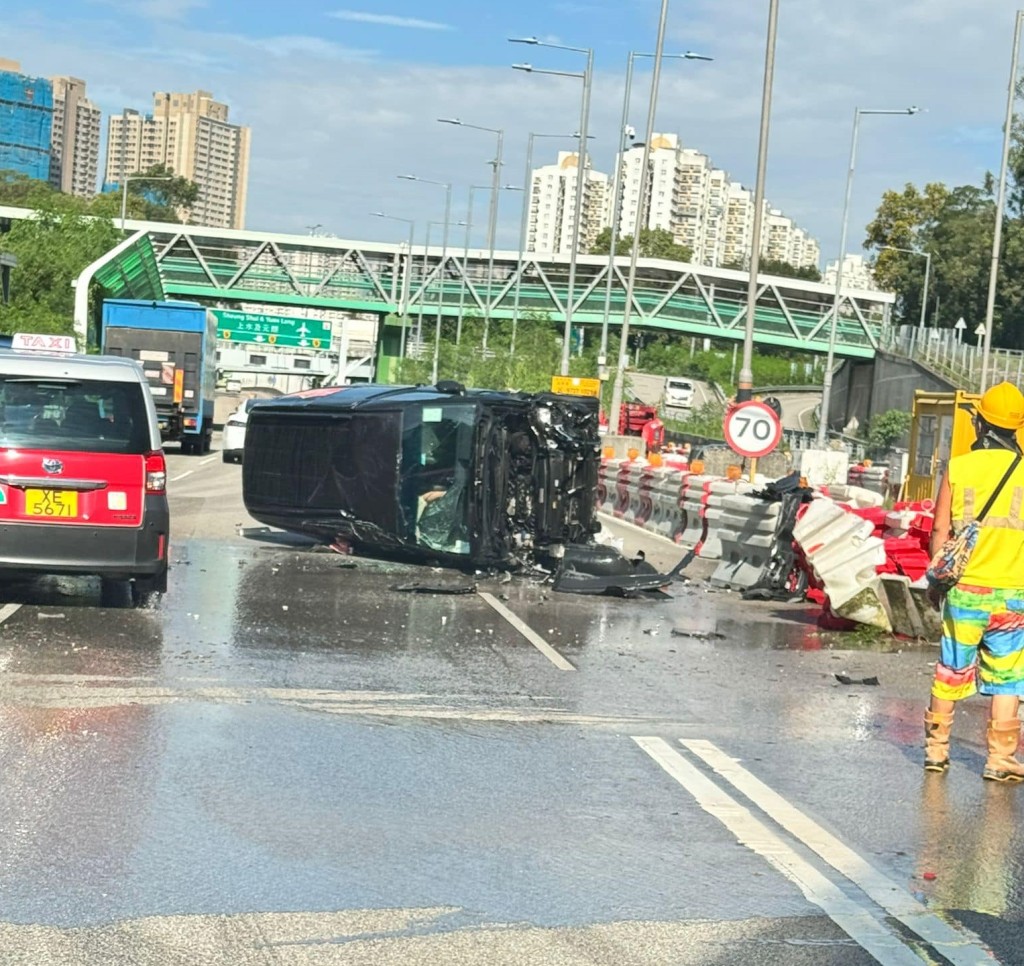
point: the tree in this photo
(776, 266)
(52, 249)
(885, 429)
(21, 191)
(654, 243)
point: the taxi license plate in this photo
(51, 503)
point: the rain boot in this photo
(1003, 739)
(936, 740)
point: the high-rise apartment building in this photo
(553, 206)
(75, 141)
(857, 273)
(190, 134)
(26, 122)
(697, 204)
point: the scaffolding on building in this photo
(26, 123)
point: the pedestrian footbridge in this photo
(234, 267)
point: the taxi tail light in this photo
(156, 473)
(191, 422)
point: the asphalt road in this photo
(290, 760)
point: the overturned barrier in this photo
(845, 556)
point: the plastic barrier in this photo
(853, 495)
(716, 493)
(874, 478)
(626, 494)
(845, 556)
(692, 502)
(746, 532)
(666, 516)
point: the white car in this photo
(232, 444)
(678, 392)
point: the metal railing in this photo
(958, 362)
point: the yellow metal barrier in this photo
(941, 429)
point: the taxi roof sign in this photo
(575, 386)
(43, 342)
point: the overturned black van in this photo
(471, 478)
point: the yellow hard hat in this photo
(1002, 406)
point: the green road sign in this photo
(272, 330)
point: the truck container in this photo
(176, 344)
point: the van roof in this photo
(108, 368)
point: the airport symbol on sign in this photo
(752, 429)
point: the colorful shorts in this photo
(982, 643)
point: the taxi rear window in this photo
(73, 415)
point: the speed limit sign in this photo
(752, 429)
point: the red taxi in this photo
(82, 474)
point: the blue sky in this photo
(343, 96)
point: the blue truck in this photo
(176, 344)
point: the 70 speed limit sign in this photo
(752, 429)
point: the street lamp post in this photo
(620, 365)
(826, 389)
(465, 259)
(997, 234)
(403, 299)
(927, 275)
(581, 171)
(492, 216)
(624, 135)
(444, 257)
(124, 191)
(745, 382)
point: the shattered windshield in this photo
(437, 472)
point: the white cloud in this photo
(156, 9)
(333, 126)
(388, 20)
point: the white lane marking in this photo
(853, 918)
(528, 632)
(8, 610)
(181, 476)
(801, 414)
(209, 459)
(957, 946)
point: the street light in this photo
(826, 389)
(652, 106)
(624, 135)
(927, 275)
(997, 234)
(403, 301)
(492, 217)
(745, 382)
(124, 190)
(465, 259)
(444, 257)
(581, 170)
(524, 225)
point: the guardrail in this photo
(944, 352)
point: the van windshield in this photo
(73, 415)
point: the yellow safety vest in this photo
(998, 557)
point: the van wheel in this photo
(146, 591)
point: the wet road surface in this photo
(289, 760)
